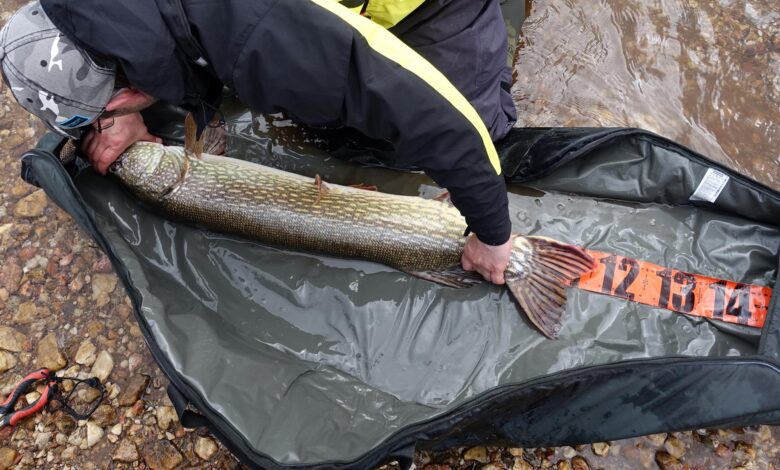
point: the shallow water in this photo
(703, 73)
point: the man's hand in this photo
(103, 148)
(488, 260)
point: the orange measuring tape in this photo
(691, 294)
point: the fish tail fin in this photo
(549, 267)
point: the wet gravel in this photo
(62, 307)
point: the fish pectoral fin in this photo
(455, 276)
(321, 187)
(541, 288)
(367, 187)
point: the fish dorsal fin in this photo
(192, 145)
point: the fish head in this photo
(149, 169)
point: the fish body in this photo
(419, 236)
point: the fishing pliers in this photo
(9, 417)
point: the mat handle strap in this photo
(187, 418)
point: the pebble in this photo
(657, 439)
(675, 447)
(94, 433)
(104, 415)
(7, 457)
(102, 366)
(600, 448)
(478, 454)
(10, 274)
(134, 390)
(167, 415)
(492, 466)
(69, 453)
(49, 355)
(31, 205)
(7, 361)
(42, 439)
(117, 429)
(579, 463)
(26, 313)
(205, 447)
(126, 452)
(85, 355)
(666, 461)
(520, 464)
(162, 455)
(10, 339)
(516, 451)
(103, 284)
(65, 424)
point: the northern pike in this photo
(422, 237)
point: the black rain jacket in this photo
(305, 58)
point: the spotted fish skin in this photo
(420, 236)
(279, 208)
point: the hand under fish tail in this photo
(539, 271)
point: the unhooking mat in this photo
(298, 360)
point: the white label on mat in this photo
(710, 187)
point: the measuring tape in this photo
(691, 294)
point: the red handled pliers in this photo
(9, 417)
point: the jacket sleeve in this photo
(326, 65)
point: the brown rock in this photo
(49, 355)
(7, 458)
(723, 451)
(126, 452)
(85, 355)
(103, 265)
(7, 361)
(563, 465)
(205, 448)
(516, 451)
(167, 415)
(162, 455)
(600, 448)
(657, 439)
(32, 205)
(520, 464)
(10, 339)
(65, 424)
(102, 366)
(21, 188)
(133, 390)
(102, 284)
(675, 447)
(11, 274)
(579, 463)
(104, 415)
(26, 313)
(137, 409)
(666, 461)
(476, 453)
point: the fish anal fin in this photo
(455, 276)
(548, 267)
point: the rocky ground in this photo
(61, 307)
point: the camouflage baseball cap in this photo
(49, 76)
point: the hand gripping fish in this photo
(421, 237)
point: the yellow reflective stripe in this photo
(387, 13)
(386, 44)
